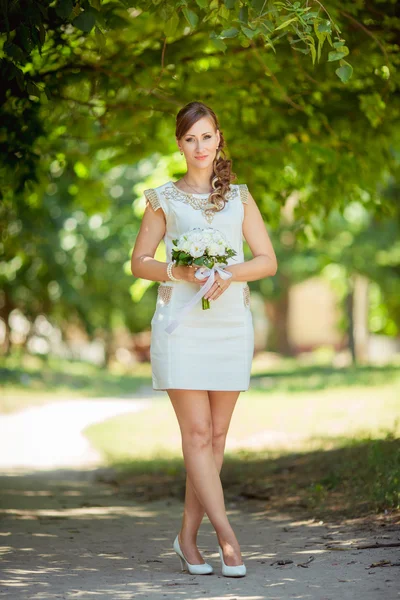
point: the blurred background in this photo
(308, 100)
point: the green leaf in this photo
(339, 44)
(313, 53)
(248, 32)
(286, 23)
(324, 27)
(85, 21)
(202, 3)
(269, 41)
(24, 35)
(171, 25)
(210, 15)
(20, 79)
(230, 4)
(229, 33)
(42, 34)
(43, 98)
(302, 50)
(15, 52)
(219, 44)
(100, 38)
(321, 39)
(191, 17)
(64, 9)
(223, 13)
(244, 14)
(337, 55)
(257, 5)
(32, 89)
(344, 72)
(43, 10)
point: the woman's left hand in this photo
(217, 288)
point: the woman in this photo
(206, 361)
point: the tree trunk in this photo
(5, 312)
(349, 309)
(360, 317)
(277, 313)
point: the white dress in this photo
(210, 349)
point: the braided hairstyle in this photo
(222, 167)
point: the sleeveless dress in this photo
(210, 349)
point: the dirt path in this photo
(65, 535)
(51, 435)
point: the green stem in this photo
(205, 303)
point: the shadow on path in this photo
(65, 535)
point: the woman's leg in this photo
(204, 419)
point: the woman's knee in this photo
(219, 437)
(197, 435)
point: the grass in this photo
(356, 479)
(30, 380)
(312, 440)
(302, 421)
(327, 452)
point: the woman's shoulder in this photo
(156, 197)
(161, 195)
(242, 190)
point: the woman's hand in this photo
(218, 287)
(187, 273)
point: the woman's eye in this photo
(207, 137)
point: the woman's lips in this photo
(201, 157)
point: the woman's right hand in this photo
(187, 273)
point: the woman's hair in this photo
(222, 167)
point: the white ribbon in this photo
(201, 273)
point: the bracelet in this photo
(169, 272)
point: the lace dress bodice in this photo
(184, 211)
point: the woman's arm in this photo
(143, 263)
(151, 232)
(264, 263)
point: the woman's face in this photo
(200, 141)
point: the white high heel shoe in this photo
(203, 569)
(231, 570)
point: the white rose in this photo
(181, 240)
(214, 249)
(197, 249)
(186, 246)
(196, 239)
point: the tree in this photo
(93, 86)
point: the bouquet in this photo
(204, 248)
